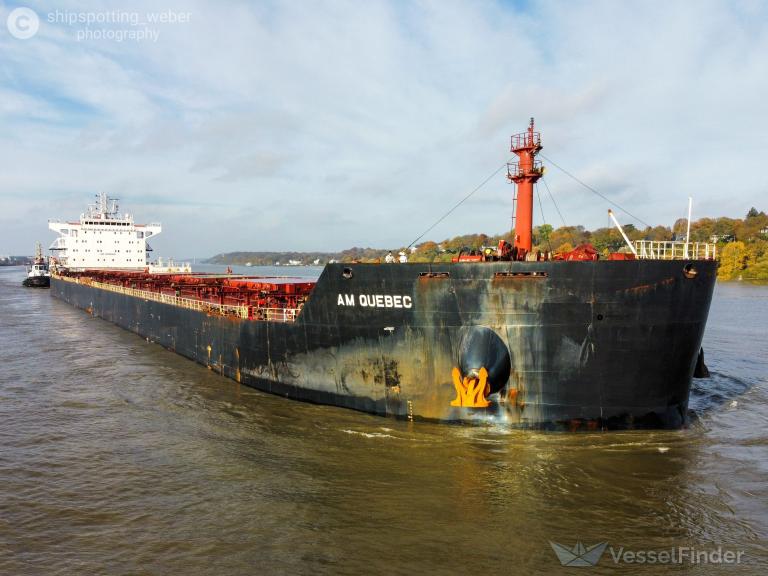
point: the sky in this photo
(326, 125)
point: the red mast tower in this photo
(524, 174)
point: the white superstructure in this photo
(103, 238)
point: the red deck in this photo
(228, 290)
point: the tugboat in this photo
(38, 275)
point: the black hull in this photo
(590, 345)
(37, 282)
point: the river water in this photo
(119, 457)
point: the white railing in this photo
(675, 250)
(275, 314)
(191, 303)
(241, 311)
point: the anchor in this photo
(471, 390)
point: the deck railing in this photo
(675, 250)
(514, 169)
(525, 139)
(237, 310)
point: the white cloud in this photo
(327, 125)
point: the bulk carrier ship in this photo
(574, 341)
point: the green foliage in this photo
(733, 260)
(756, 267)
(725, 226)
(679, 227)
(573, 235)
(607, 240)
(541, 235)
(658, 233)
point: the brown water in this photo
(119, 457)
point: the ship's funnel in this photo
(481, 347)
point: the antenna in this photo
(688, 229)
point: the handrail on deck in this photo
(675, 250)
(237, 310)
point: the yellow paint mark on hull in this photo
(471, 392)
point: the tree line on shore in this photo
(742, 245)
